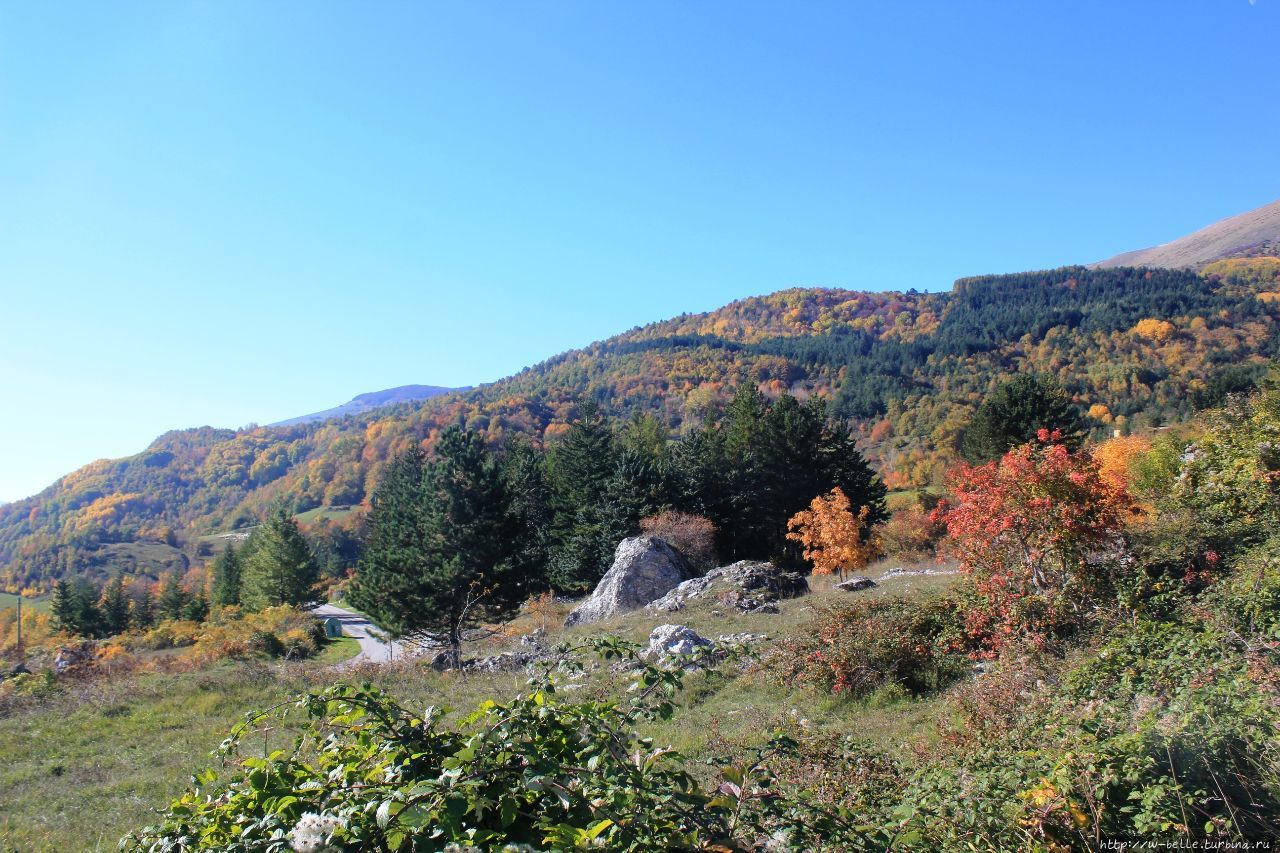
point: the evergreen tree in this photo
(173, 597)
(226, 578)
(74, 608)
(142, 610)
(280, 568)
(62, 608)
(197, 609)
(443, 551)
(580, 468)
(115, 606)
(524, 469)
(1012, 415)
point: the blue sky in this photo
(226, 212)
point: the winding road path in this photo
(364, 632)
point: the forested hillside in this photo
(1135, 348)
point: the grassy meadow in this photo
(82, 765)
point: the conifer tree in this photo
(443, 552)
(75, 608)
(173, 597)
(142, 609)
(1015, 412)
(226, 579)
(280, 568)
(115, 606)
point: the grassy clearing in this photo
(338, 650)
(83, 767)
(39, 604)
(333, 513)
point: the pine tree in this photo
(62, 608)
(226, 579)
(197, 609)
(115, 606)
(524, 470)
(1012, 415)
(75, 609)
(142, 610)
(580, 468)
(280, 568)
(173, 597)
(443, 550)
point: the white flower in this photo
(312, 830)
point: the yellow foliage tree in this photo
(1115, 458)
(1159, 331)
(831, 534)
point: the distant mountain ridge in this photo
(1136, 348)
(1255, 233)
(371, 400)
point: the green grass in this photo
(40, 603)
(338, 650)
(83, 767)
(333, 513)
(90, 765)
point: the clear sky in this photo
(226, 212)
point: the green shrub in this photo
(858, 648)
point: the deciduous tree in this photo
(831, 534)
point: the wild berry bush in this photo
(858, 648)
(539, 771)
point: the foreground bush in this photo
(367, 774)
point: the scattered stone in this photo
(534, 637)
(670, 641)
(744, 638)
(644, 568)
(747, 586)
(908, 573)
(74, 656)
(505, 662)
(855, 583)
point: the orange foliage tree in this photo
(831, 534)
(1115, 458)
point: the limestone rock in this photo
(643, 569)
(747, 586)
(669, 641)
(855, 583)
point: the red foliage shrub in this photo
(691, 535)
(1037, 534)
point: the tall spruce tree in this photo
(280, 568)
(226, 579)
(172, 603)
(524, 469)
(1012, 415)
(443, 556)
(115, 606)
(580, 467)
(75, 608)
(142, 609)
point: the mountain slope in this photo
(1134, 347)
(1252, 234)
(371, 400)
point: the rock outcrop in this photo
(643, 569)
(748, 586)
